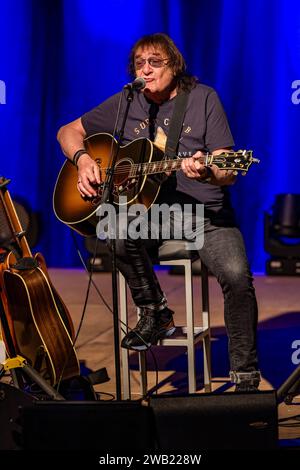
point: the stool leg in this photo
(207, 363)
(142, 367)
(206, 325)
(190, 326)
(143, 373)
(124, 352)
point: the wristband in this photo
(77, 155)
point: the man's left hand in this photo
(192, 168)
(221, 177)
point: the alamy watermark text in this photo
(2, 92)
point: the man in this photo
(157, 60)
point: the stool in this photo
(175, 253)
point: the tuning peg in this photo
(235, 172)
(244, 173)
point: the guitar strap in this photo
(176, 124)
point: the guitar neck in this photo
(151, 168)
(14, 225)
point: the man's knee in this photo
(236, 278)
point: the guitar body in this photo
(35, 322)
(63, 311)
(139, 171)
(80, 213)
(38, 331)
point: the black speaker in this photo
(215, 421)
(102, 426)
(11, 398)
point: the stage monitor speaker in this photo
(215, 421)
(82, 425)
(11, 398)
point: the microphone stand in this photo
(107, 197)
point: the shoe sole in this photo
(144, 347)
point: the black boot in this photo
(152, 326)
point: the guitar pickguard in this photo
(127, 180)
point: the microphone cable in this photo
(106, 304)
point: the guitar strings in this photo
(163, 165)
(176, 162)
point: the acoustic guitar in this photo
(39, 326)
(139, 172)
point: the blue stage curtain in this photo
(60, 58)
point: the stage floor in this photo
(279, 327)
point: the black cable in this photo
(111, 395)
(80, 322)
(109, 308)
(86, 269)
(149, 393)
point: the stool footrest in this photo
(179, 338)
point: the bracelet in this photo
(77, 155)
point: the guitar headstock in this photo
(236, 161)
(4, 182)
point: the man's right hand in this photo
(88, 176)
(71, 138)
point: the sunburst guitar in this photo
(139, 172)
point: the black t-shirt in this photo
(205, 128)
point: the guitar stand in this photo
(290, 388)
(18, 364)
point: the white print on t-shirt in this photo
(142, 126)
(145, 123)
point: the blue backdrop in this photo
(60, 58)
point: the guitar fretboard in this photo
(151, 168)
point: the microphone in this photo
(137, 84)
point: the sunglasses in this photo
(152, 61)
